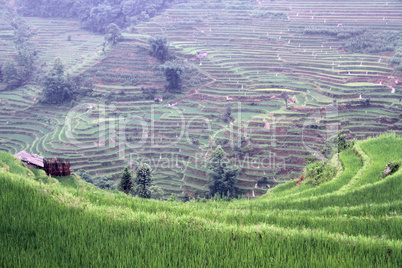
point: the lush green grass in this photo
(252, 64)
(46, 224)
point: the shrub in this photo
(319, 172)
(156, 192)
(391, 168)
(336, 144)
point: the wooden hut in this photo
(57, 167)
(31, 160)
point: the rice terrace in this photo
(244, 133)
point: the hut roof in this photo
(30, 158)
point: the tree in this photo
(27, 55)
(173, 72)
(143, 181)
(58, 67)
(11, 78)
(113, 35)
(159, 47)
(58, 88)
(126, 181)
(336, 144)
(285, 97)
(22, 31)
(222, 175)
(227, 116)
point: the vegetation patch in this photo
(360, 84)
(338, 32)
(373, 42)
(391, 168)
(274, 89)
(319, 172)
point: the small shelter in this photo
(202, 55)
(57, 167)
(31, 160)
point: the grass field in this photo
(353, 220)
(249, 66)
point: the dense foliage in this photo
(95, 15)
(222, 175)
(156, 192)
(143, 180)
(173, 71)
(59, 88)
(113, 34)
(372, 42)
(319, 172)
(10, 75)
(126, 182)
(397, 59)
(336, 144)
(20, 70)
(338, 32)
(159, 47)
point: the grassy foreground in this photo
(353, 220)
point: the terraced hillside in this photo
(257, 56)
(353, 220)
(7, 49)
(59, 38)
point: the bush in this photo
(156, 192)
(310, 159)
(84, 175)
(172, 198)
(394, 166)
(391, 168)
(319, 172)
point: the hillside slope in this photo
(258, 51)
(353, 220)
